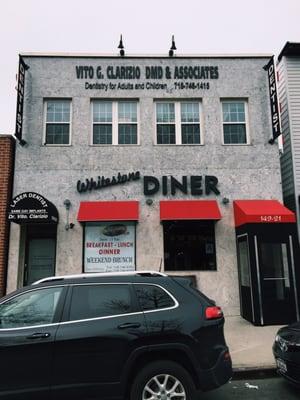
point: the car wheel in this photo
(163, 380)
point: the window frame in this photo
(178, 123)
(188, 225)
(237, 100)
(133, 300)
(115, 121)
(57, 318)
(100, 223)
(170, 295)
(45, 102)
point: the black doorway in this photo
(40, 252)
(268, 279)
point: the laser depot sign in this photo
(149, 77)
(109, 247)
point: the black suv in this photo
(139, 336)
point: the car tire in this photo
(163, 378)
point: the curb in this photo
(254, 373)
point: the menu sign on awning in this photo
(109, 247)
(32, 208)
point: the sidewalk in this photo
(250, 346)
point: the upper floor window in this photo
(57, 121)
(178, 123)
(115, 122)
(235, 122)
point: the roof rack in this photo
(99, 274)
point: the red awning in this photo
(108, 211)
(261, 211)
(189, 209)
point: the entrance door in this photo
(277, 284)
(40, 259)
(245, 282)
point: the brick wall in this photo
(7, 149)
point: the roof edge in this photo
(138, 56)
(291, 49)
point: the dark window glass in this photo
(93, 301)
(57, 134)
(102, 134)
(152, 297)
(127, 134)
(36, 307)
(190, 134)
(165, 134)
(189, 245)
(235, 134)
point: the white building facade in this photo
(144, 163)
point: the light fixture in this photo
(225, 200)
(149, 202)
(68, 225)
(121, 47)
(173, 47)
(22, 142)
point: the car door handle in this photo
(129, 325)
(39, 336)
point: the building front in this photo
(154, 163)
(289, 91)
(7, 151)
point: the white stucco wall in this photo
(244, 171)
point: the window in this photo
(189, 245)
(234, 122)
(36, 307)
(57, 121)
(153, 297)
(178, 123)
(115, 122)
(109, 246)
(95, 301)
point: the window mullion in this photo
(115, 123)
(178, 123)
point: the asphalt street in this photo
(263, 389)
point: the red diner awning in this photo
(261, 211)
(90, 211)
(189, 210)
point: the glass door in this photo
(40, 260)
(246, 295)
(276, 273)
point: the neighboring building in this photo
(154, 163)
(7, 150)
(289, 96)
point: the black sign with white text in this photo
(32, 208)
(270, 68)
(20, 98)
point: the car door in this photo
(102, 328)
(28, 324)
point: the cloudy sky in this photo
(199, 26)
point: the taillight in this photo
(213, 312)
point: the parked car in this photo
(286, 350)
(142, 335)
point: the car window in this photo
(36, 307)
(152, 297)
(94, 301)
